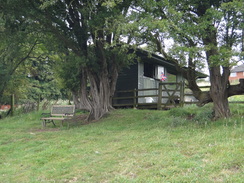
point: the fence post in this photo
(38, 102)
(182, 93)
(134, 99)
(12, 104)
(159, 105)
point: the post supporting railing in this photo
(134, 99)
(12, 105)
(159, 105)
(182, 93)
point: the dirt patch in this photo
(77, 120)
(190, 116)
(235, 168)
(47, 130)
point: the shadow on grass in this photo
(76, 121)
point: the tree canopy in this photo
(91, 39)
(202, 32)
(24, 58)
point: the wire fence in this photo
(26, 106)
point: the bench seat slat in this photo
(53, 118)
(62, 114)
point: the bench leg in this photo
(67, 121)
(53, 122)
(62, 123)
(44, 123)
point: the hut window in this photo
(159, 71)
(149, 70)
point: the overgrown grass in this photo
(236, 98)
(180, 145)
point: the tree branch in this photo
(24, 58)
(236, 89)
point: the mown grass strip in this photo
(127, 146)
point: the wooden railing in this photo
(134, 96)
(131, 98)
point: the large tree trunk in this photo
(219, 92)
(100, 97)
(220, 89)
(102, 84)
(219, 81)
(97, 98)
(102, 89)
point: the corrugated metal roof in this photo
(238, 69)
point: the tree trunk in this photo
(219, 81)
(219, 93)
(97, 98)
(101, 93)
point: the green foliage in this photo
(36, 74)
(25, 68)
(71, 31)
(41, 78)
(15, 86)
(69, 71)
(188, 23)
(178, 121)
(17, 44)
(111, 3)
(202, 115)
(181, 112)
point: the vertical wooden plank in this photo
(159, 105)
(134, 99)
(12, 104)
(182, 93)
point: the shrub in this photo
(178, 121)
(203, 116)
(180, 112)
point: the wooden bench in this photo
(59, 113)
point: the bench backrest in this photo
(63, 110)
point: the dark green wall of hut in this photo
(127, 80)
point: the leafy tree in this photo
(69, 72)
(91, 30)
(41, 78)
(88, 36)
(16, 46)
(23, 60)
(210, 31)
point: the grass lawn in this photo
(180, 145)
